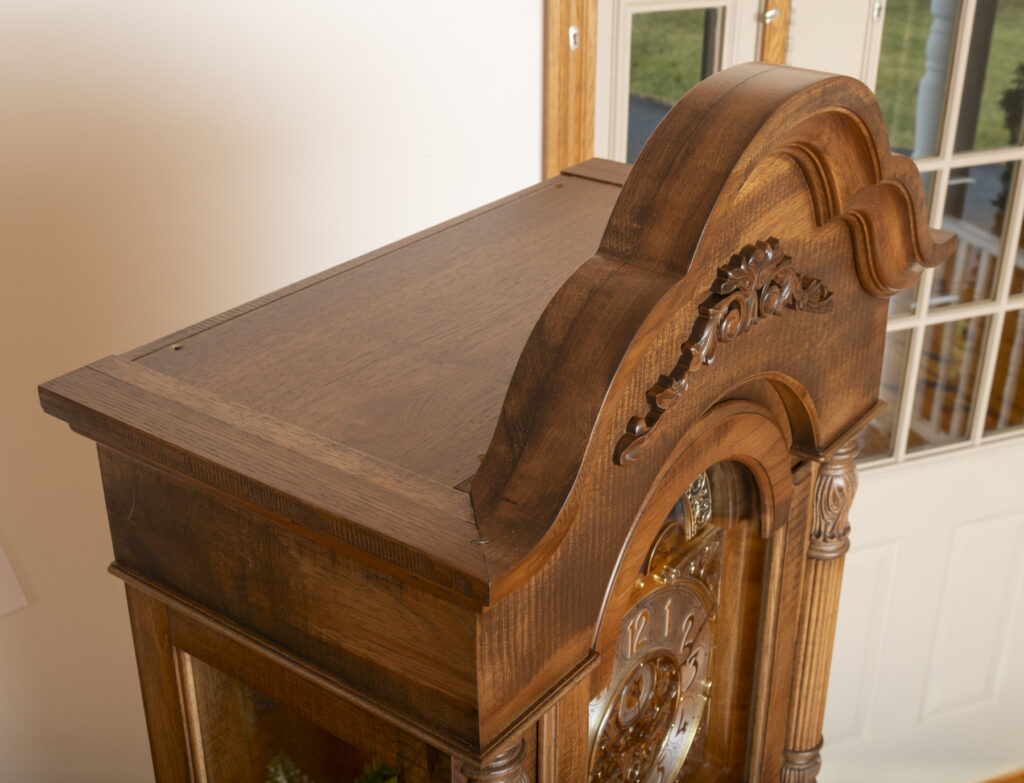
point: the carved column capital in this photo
(506, 767)
(833, 496)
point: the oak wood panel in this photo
(345, 266)
(564, 742)
(331, 611)
(165, 722)
(406, 358)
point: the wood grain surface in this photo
(286, 482)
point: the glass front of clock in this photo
(238, 734)
(678, 704)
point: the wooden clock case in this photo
(555, 491)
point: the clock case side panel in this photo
(384, 641)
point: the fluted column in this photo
(834, 489)
(506, 767)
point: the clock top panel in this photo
(405, 354)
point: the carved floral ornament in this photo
(758, 282)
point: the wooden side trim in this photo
(158, 676)
(569, 83)
(405, 521)
(775, 32)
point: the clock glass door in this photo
(678, 701)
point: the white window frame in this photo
(940, 165)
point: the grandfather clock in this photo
(556, 491)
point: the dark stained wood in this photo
(406, 358)
(158, 676)
(274, 673)
(293, 591)
(417, 493)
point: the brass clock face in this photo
(659, 688)
(644, 723)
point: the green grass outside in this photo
(666, 60)
(901, 67)
(1006, 54)
(666, 54)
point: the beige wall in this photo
(160, 162)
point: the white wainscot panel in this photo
(969, 656)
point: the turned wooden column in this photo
(834, 489)
(506, 767)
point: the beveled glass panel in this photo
(670, 51)
(913, 70)
(877, 438)
(946, 382)
(247, 738)
(1006, 402)
(651, 715)
(975, 211)
(990, 109)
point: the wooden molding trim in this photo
(775, 32)
(569, 83)
(758, 282)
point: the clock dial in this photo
(644, 723)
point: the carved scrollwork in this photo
(758, 282)
(698, 498)
(833, 496)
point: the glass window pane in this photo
(877, 438)
(1006, 403)
(975, 210)
(946, 381)
(670, 51)
(990, 110)
(1017, 275)
(904, 302)
(912, 72)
